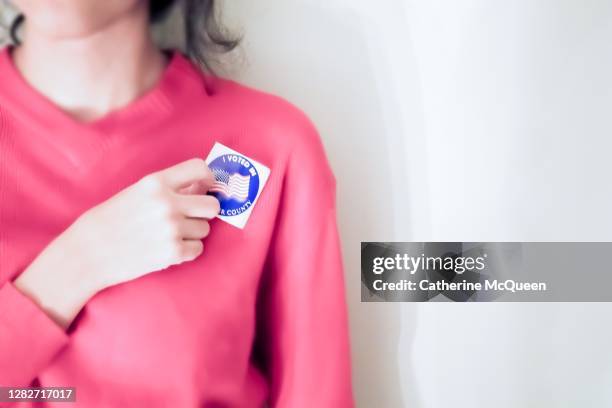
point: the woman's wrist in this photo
(60, 280)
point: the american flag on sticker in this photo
(231, 185)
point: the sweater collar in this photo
(179, 80)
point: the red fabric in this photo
(260, 316)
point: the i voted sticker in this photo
(239, 181)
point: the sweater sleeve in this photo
(303, 308)
(29, 339)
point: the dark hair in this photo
(204, 34)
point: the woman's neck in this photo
(90, 75)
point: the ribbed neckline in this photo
(179, 78)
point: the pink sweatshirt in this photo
(259, 316)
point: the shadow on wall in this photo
(319, 60)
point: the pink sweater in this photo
(259, 316)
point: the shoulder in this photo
(276, 117)
(276, 123)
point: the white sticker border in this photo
(239, 221)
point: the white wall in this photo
(462, 120)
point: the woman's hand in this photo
(147, 227)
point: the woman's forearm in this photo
(59, 281)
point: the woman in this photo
(102, 182)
